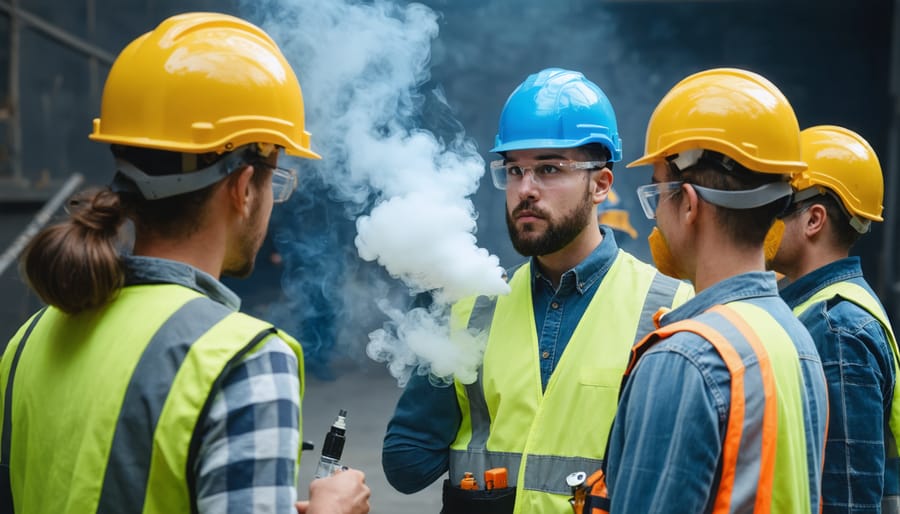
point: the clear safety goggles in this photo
(650, 194)
(544, 174)
(284, 181)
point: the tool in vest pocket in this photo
(589, 494)
(575, 481)
(495, 479)
(468, 482)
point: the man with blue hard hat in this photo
(557, 345)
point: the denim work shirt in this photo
(665, 445)
(151, 270)
(859, 368)
(416, 448)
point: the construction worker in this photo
(558, 343)
(141, 388)
(724, 405)
(835, 202)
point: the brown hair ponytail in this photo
(75, 265)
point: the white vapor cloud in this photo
(361, 67)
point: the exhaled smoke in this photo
(361, 66)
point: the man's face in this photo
(544, 218)
(789, 248)
(253, 231)
(667, 216)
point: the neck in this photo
(814, 258)
(204, 251)
(718, 260)
(555, 264)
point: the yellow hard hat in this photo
(203, 82)
(842, 161)
(736, 113)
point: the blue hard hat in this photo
(558, 108)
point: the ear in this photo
(603, 180)
(240, 190)
(690, 204)
(814, 220)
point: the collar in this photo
(588, 271)
(745, 286)
(804, 287)
(141, 270)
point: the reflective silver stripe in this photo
(547, 473)
(748, 464)
(482, 314)
(125, 481)
(661, 294)
(890, 505)
(478, 461)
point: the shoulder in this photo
(680, 365)
(269, 373)
(679, 289)
(846, 316)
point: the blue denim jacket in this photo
(665, 445)
(859, 367)
(416, 448)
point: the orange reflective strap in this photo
(770, 413)
(735, 427)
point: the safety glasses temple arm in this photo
(748, 199)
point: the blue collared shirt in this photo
(416, 448)
(250, 436)
(859, 368)
(665, 444)
(557, 312)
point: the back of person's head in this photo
(557, 108)
(734, 134)
(844, 176)
(184, 105)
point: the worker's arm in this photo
(667, 436)
(250, 436)
(859, 371)
(416, 448)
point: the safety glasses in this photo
(544, 174)
(650, 194)
(284, 181)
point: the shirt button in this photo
(545, 355)
(554, 305)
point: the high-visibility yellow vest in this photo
(860, 296)
(105, 404)
(542, 436)
(764, 454)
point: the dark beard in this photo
(557, 236)
(250, 244)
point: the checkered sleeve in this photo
(250, 437)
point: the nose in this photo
(528, 186)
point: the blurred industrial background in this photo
(838, 62)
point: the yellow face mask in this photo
(662, 256)
(773, 240)
(665, 261)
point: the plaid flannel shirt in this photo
(250, 438)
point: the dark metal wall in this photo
(832, 59)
